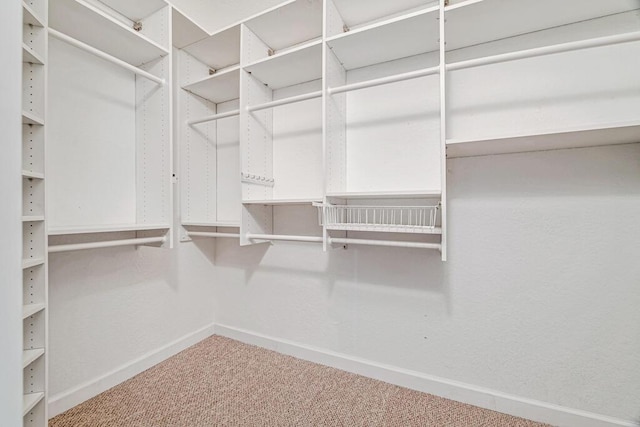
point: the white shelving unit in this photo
(110, 151)
(34, 238)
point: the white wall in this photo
(10, 226)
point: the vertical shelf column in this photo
(443, 128)
(34, 240)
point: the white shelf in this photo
(386, 229)
(276, 202)
(475, 22)
(30, 401)
(135, 10)
(30, 17)
(400, 37)
(220, 87)
(32, 175)
(28, 118)
(220, 50)
(32, 218)
(289, 25)
(90, 25)
(357, 12)
(31, 309)
(185, 31)
(428, 194)
(587, 136)
(211, 224)
(61, 231)
(30, 356)
(29, 263)
(297, 65)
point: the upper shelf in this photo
(586, 136)
(291, 24)
(298, 65)
(399, 37)
(474, 22)
(358, 12)
(135, 10)
(372, 195)
(220, 87)
(185, 31)
(219, 50)
(82, 21)
(30, 16)
(116, 228)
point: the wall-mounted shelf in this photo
(221, 224)
(31, 309)
(29, 118)
(297, 65)
(32, 175)
(135, 10)
(29, 263)
(31, 56)
(30, 16)
(428, 194)
(116, 228)
(277, 202)
(30, 401)
(88, 24)
(357, 13)
(411, 34)
(218, 51)
(185, 31)
(30, 356)
(220, 87)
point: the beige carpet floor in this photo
(222, 382)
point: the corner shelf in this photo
(218, 51)
(220, 87)
(82, 21)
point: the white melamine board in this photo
(382, 195)
(297, 145)
(294, 23)
(400, 37)
(28, 118)
(489, 20)
(84, 22)
(91, 140)
(219, 50)
(393, 136)
(31, 309)
(30, 16)
(30, 401)
(335, 126)
(299, 65)
(228, 189)
(33, 91)
(29, 263)
(185, 31)
(545, 95)
(33, 148)
(29, 356)
(31, 56)
(220, 87)
(356, 12)
(33, 240)
(277, 202)
(611, 134)
(115, 228)
(134, 10)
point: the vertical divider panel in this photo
(443, 129)
(154, 154)
(336, 126)
(256, 141)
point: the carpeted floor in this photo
(222, 382)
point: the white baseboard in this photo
(485, 398)
(61, 402)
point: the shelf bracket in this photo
(137, 26)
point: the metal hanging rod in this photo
(284, 238)
(385, 80)
(105, 56)
(388, 243)
(546, 50)
(285, 101)
(212, 234)
(214, 117)
(107, 244)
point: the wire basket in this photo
(392, 219)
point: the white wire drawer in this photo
(390, 219)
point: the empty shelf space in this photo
(30, 401)
(587, 136)
(363, 12)
(135, 10)
(30, 16)
(90, 25)
(32, 218)
(61, 231)
(31, 56)
(29, 263)
(32, 175)
(218, 51)
(275, 202)
(427, 194)
(475, 22)
(395, 38)
(29, 118)
(298, 65)
(220, 87)
(31, 309)
(30, 356)
(225, 224)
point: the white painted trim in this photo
(66, 400)
(458, 391)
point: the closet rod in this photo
(389, 243)
(385, 80)
(105, 56)
(546, 50)
(107, 244)
(206, 234)
(214, 117)
(285, 101)
(284, 238)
